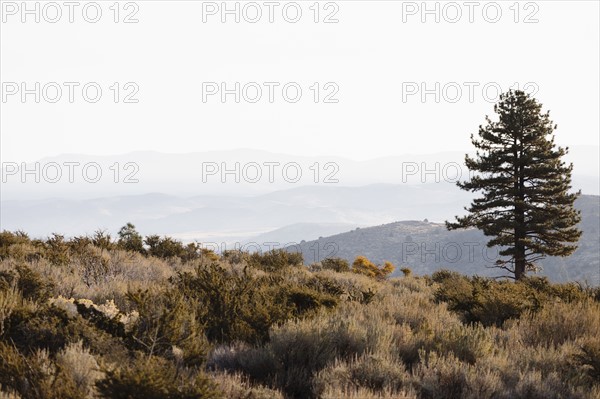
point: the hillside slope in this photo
(426, 247)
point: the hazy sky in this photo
(373, 61)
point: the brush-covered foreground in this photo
(92, 318)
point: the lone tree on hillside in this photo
(525, 204)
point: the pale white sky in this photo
(370, 55)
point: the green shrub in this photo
(130, 239)
(9, 240)
(57, 250)
(305, 299)
(36, 376)
(167, 326)
(336, 264)
(486, 301)
(32, 285)
(274, 260)
(467, 343)
(589, 358)
(233, 307)
(155, 378)
(46, 327)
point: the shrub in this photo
(559, 322)
(9, 239)
(274, 260)
(57, 250)
(406, 271)
(486, 301)
(166, 322)
(375, 373)
(233, 307)
(235, 257)
(165, 247)
(30, 283)
(349, 286)
(236, 386)
(336, 264)
(467, 343)
(80, 366)
(155, 378)
(92, 264)
(303, 347)
(445, 377)
(257, 363)
(305, 299)
(589, 358)
(36, 376)
(130, 239)
(362, 265)
(46, 327)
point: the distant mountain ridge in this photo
(194, 174)
(236, 218)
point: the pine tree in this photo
(525, 205)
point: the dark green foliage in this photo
(14, 371)
(327, 286)
(492, 302)
(57, 250)
(589, 358)
(47, 328)
(18, 246)
(275, 260)
(167, 247)
(100, 320)
(525, 204)
(168, 320)
(163, 247)
(336, 264)
(155, 378)
(232, 307)
(305, 299)
(130, 239)
(31, 284)
(238, 306)
(34, 377)
(103, 240)
(568, 292)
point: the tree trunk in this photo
(519, 263)
(519, 186)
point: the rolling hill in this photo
(426, 247)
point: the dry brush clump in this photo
(91, 317)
